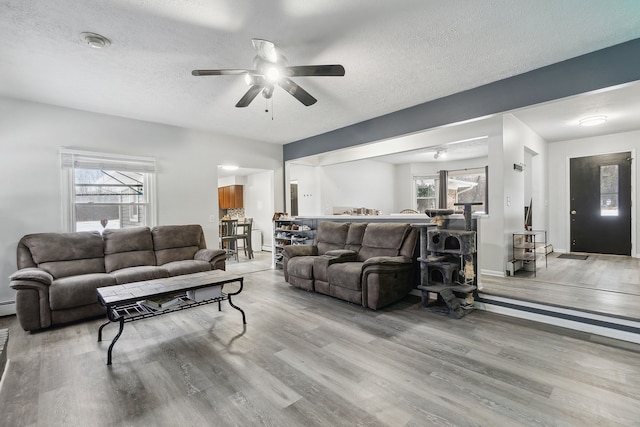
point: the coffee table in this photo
(122, 302)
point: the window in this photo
(467, 186)
(609, 190)
(107, 191)
(426, 191)
(450, 187)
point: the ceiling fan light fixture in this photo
(593, 120)
(267, 92)
(273, 74)
(95, 41)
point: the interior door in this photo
(600, 211)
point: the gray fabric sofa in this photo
(373, 264)
(59, 272)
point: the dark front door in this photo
(600, 209)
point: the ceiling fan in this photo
(270, 68)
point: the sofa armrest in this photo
(32, 304)
(387, 261)
(291, 251)
(33, 274)
(217, 257)
(208, 254)
(342, 255)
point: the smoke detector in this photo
(95, 41)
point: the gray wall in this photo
(603, 68)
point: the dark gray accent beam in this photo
(596, 70)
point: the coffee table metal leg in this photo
(100, 330)
(121, 321)
(244, 319)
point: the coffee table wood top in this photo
(135, 291)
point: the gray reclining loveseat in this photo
(373, 264)
(59, 272)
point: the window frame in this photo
(416, 186)
(441, 181)
(71, 160)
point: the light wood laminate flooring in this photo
(306, 359)
(607, 284)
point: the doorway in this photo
(600, 209)
(294, 198)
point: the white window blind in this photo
(72, 159)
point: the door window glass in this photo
(609, 190)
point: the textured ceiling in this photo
(396, 53)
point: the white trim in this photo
(494, 273)
(91, 160)
(564, 323)
(72, 159)
(4, 373)
(8, 309)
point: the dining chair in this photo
(228, 237)
(244, 234)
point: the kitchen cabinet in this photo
(231, 197)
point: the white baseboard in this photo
(493, 273)
(4, 374)
(8, 309)
(566, 322)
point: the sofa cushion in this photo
(354, 238)
(177, 242)
(128, 247)
(65, 254)
(383, 240)
(60, 269)
(139, 273)
(346, 275)
(331, 235)
(74, 291)
(301, 266)
(188, 266)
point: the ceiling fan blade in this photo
(316, 70)
(249, 96)
(298, 93)
(227, 72)
(266, 50)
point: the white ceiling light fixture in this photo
(229, 167)
(95, 41)
(593, 120)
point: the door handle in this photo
(573, 212)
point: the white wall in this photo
(362, 184)
(30, 138)
(403, 197)
(258, 203)
(559, 155)
(491, 256)
(308, 189)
